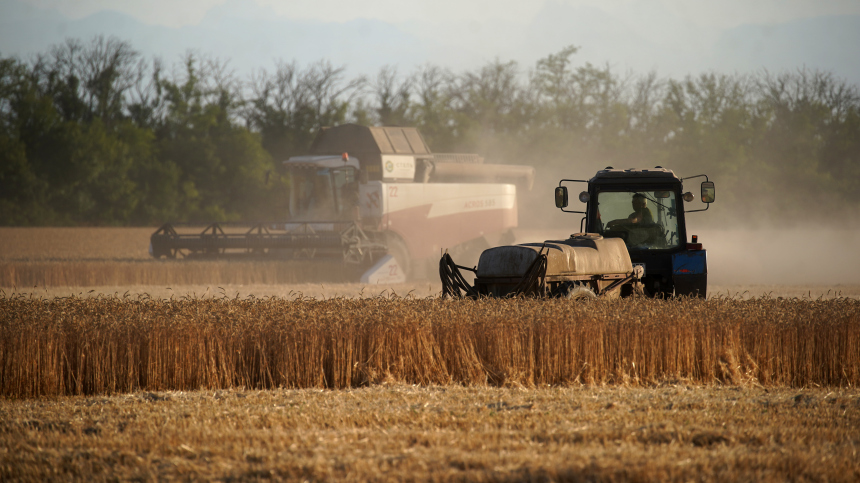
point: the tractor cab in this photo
(645, 218)
(646, 209)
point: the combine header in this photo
(372, 197)
(618, 252)
(338, 240)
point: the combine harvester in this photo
(617, 253)
(373, 199)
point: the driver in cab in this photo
(641, 213)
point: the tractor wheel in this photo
(658, 288)
(581, 293)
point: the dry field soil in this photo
(673, 432)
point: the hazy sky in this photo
(709, 15)
(673, 37)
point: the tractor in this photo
(632, 239)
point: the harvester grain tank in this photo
(616, 253)
(371, 197)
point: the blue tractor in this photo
(633, 239)
(646, 209)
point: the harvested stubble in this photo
(106, 345)
(391, 432)
(74, 243)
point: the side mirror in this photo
(561, 197)
(709, 193)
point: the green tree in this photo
(394, 106)
(432, 112)
(812, 142)
(289, 106)
(223, 166)
(22, 193)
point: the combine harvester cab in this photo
(375, 198)
(619, 253)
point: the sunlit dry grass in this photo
(23, 275)
(318, 290)
(74, 243)
(108, 345)
(672, 432)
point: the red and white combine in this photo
(375, 198)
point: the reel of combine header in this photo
(343, 241)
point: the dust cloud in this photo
(782, 256)
(766, 257)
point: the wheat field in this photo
(116, 366)
(105, 345)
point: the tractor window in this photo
(643, 219)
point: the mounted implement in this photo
(618, 252)
(584, 265)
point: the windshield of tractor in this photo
(643, 219)
(320, 194)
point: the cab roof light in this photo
(694, 244)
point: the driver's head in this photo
(639, 201)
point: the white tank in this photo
(581, 254)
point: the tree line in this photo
(93, 133)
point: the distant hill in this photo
(252, 37)
(826, 43)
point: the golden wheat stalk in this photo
(108, 345)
